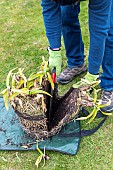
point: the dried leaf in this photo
(8, 77)
(41, 78)
(43, 105)
(20, 102)
(13, 104)
(82, 118)
(25, 146)
(35, 83)
(20, 72)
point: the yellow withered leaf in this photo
(30, 84)
(87, 117)
(21, 91)
(93, 114)
(20, 83)
(34, 76)
(106, 113)
(95, 95)
(13, 81)
(50, 80)
(4, 91)
(103, 105)
(35, 91)
(13, 95)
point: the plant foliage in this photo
(18, 85)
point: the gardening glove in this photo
(87, 80)
(91, 77)
(55, 60)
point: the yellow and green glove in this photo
(55, 60)
(87, 80)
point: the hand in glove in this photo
(55, 60)
(87, 80)
(91, 77)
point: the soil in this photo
(65, 107)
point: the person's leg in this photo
(52, 20)
(73, 43)
(107, 64)
(72, 35)
(99, 24)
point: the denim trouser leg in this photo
(99, 24)
(107, 64)
(72, 35)
(52, 20)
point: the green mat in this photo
(12, 137)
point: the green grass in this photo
(23, 43)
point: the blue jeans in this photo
(64, 20)
(101, 35)
(101, 41)
(72, 35)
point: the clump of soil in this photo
(30, 98)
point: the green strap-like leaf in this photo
(3, 92)
(20, 83)
(5, 97)
(30, 84)
(40, 157)
(34, 76)
(14, 95)
(35, 91)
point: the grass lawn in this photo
(23, 43)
